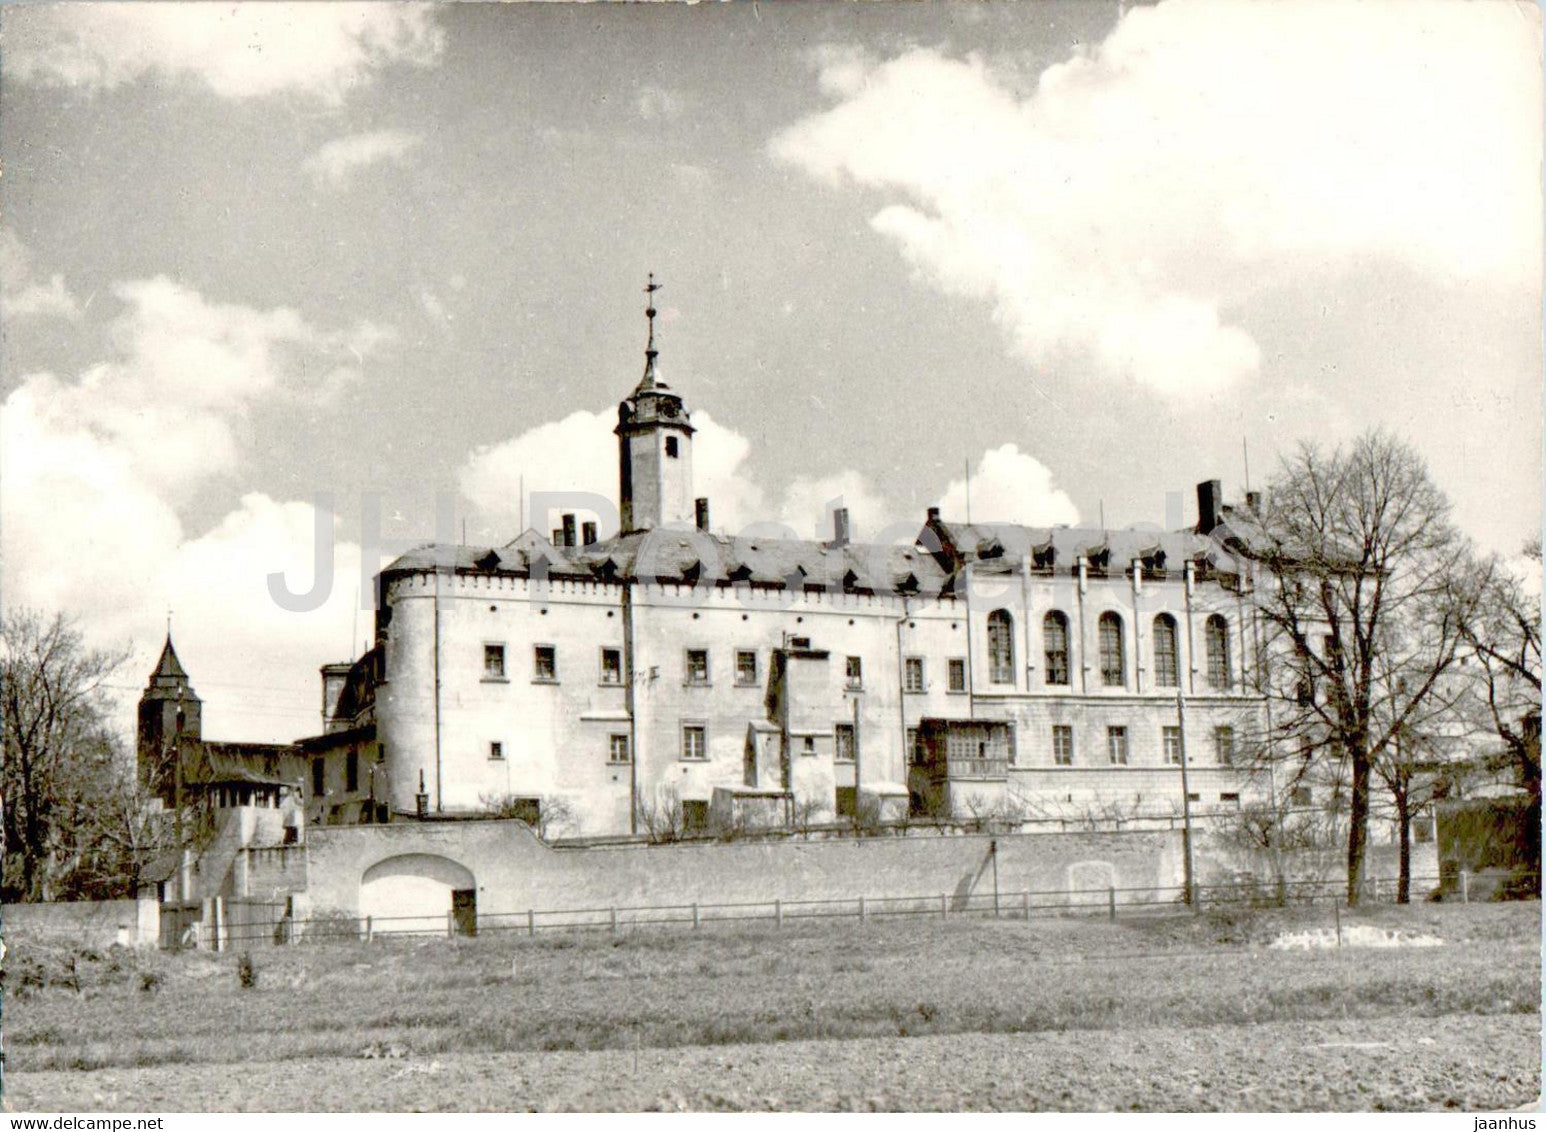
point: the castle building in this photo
(671, 676)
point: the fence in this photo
(1111, 902)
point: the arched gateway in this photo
(418, 892)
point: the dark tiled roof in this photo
(985, 541)
(169, 665)
(169, 680)
(698, 557)
(270, 764)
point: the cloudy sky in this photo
(257, 255)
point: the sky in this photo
(274, 269)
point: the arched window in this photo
(1113, 666)
(1167, 667)
(1217, 634)
(1001, 647)
(1054, 637)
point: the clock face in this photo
(668, 409)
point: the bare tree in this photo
(547, 817)
(663, 818)
(62, 764)
(1365, 600)
(1504, 637)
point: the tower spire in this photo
(650, 353)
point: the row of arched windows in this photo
(1112, 648)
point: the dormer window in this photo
(1044, 558)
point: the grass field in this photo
(394, 1007)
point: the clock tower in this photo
(654, 438)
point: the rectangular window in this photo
(611, 666)
(912, 674)
(958, 674)
(1224, 745)
(493, 662)
(1063, 745)
(846, 798)
(843, 739)
(1172, 742)
(854, 671)
(496, 750)
(914, 747)
(617, 748)
(671, 449)
(697, 666)
(1116, 745)
(745, 667)
(695, 815)
(546, 660)
(1230, 797)
(318, 776)
(1301, 796)
(694, 742)
(352, 772)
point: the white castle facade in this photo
(672, 676)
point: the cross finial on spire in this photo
(650, 353)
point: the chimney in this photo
(569, 530)
(840, 528)
(933, 514)
(1210, 505)
(701, 508)
(588, 534)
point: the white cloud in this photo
(92, 472)
(578, 454)
(335, 164)
(1204, 152)
(1009, 486)
(809, 502)
(22, 295)
(237, 50)
(187, 369)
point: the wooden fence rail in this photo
(254, 926)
